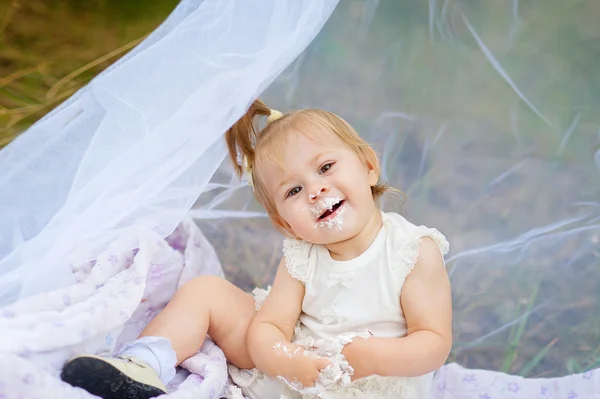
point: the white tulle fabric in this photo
(132, 151)
(89, 193)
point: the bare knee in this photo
(230, 310)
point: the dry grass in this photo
(49, 49)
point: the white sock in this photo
(156, 352)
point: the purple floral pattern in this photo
(116, 296)
(455, 382)
(513, 387)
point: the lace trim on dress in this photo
(295, 253)
(408, 252)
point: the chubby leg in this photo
(207, 304)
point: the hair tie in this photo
(248, 171)
(273, 116)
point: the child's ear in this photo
(373, 177)
(372, 165)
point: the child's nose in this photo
(315, 194)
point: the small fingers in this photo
(310, 381)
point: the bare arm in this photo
(273, 328)
(427, 305)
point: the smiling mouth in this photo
(331, 210)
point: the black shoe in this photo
(113, 378)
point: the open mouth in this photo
(331, 210)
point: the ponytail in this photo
(242, 136)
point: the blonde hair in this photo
(256, 146)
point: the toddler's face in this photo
(324, 196)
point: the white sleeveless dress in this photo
(352, 296)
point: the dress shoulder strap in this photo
(407, 239)
(296, 254)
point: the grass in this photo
(42, 63)
(530, 309)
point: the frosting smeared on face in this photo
(329, 212)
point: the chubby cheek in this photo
(293, 216)
(359, 198)
(353, 193)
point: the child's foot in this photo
(113, 378)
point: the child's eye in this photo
(293, 191)
(326, 167)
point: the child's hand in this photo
(357, 355)
(303, 368)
